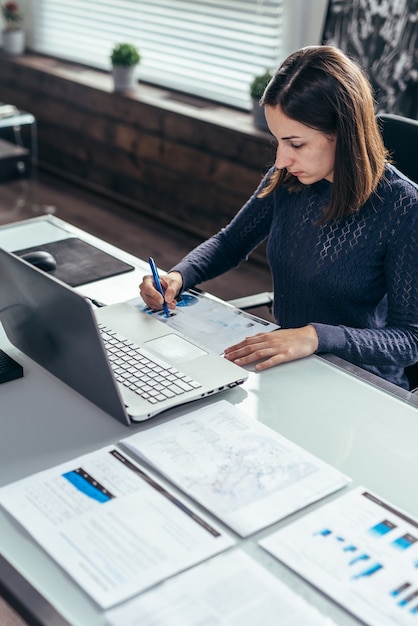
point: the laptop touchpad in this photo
(175, 348)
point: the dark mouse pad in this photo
(79, 262)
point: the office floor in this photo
(137, 234)
(8, 617)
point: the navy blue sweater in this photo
(355, 280)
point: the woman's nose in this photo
(283, 157)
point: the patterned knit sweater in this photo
(355, 280)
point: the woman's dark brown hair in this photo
(319, 86)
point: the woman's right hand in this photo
(171, 284)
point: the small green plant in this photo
(259, 84)
(125, 55)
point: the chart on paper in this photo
(202, 318)
(359, 550)
(111, 525)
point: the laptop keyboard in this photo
(151, 379)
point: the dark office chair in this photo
(400, 136)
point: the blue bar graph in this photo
(411, 596)
(325, 532)
(350, 548)
(87, 485)
(360, 557)
(404, 542)
(368, 572)
(400, 589)
(382, 528)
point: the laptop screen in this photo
(55, 326)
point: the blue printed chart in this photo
(201, 316)
(359, 550)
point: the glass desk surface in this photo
(367, 432)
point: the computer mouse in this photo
(41, 259)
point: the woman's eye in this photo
(296, 145)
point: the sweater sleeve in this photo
(232, 244)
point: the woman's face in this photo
(306, 153)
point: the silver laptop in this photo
(145, 368)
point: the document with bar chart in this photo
(111, 524)
(359, 550)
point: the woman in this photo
(341, 223)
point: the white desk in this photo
(368, 432)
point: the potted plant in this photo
(257, 87)
(124, 58)
(13, 36)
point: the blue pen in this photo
(158, 284)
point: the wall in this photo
(303, 24)
(185, 161)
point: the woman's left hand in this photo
(278, 346)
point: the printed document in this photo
(203, 317)
(111, 525)
(246, 474)
(361, 551)
(228, 590)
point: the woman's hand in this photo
(171, 284)
(275, 347)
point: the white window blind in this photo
(208, 48)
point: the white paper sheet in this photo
(359, 550)
(207, 319)
(228, 590)
(112, 526)
(245, 473)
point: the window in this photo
(208, 48)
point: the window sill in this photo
(206, 111)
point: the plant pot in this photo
(13, 41)
(258, 116)
(124, 78)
